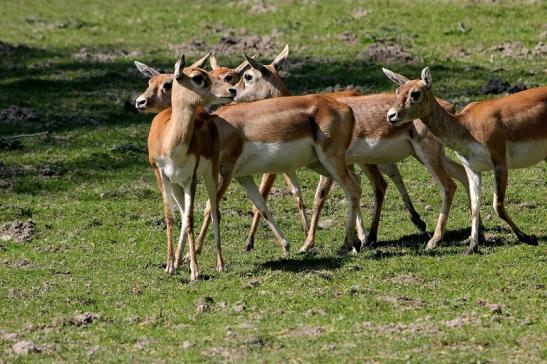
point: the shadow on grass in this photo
(305, 264)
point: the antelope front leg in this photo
(254, 195)
(189, 195)
(265, 188)
(474, 179)
(211, 185)
(431, 157)
(321, 193)
(165, 187)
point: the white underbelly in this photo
(260, 157)
(378, 151)
(526, 154)
(518, 155)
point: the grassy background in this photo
(99, 243)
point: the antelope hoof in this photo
(220, 266)
(249, 245)
(194, 276)
(170, 267)
(528, 239)
(472, 248)
(347, 250)
(419, 223)
(285, 250)
(432, 244)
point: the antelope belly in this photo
(261, 157)
(526, 154)
(378, 151)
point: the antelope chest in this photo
(378, 151)
(261, 157)
(178, 166)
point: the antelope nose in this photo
(232, 91)
(392, 115)
(140, 103)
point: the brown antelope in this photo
(183, 146)
(282, 135)
(316, 128)
(264, 82)
(374, 141)
(499, 134)
(157, 97)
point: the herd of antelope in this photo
(261, 129)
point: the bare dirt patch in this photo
(85, 318)
(468, 318)
(306, 331)
(387, 53)
(87, 55)
(14, 114)
(233, 43)
(17, 231)
(402, 302)
(423, 326)
(26, 347)
(496, 85)
(405, 279)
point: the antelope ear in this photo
(147, 71)
(242, 67)
(213, 61)
(200, 63)
(179, 66)
(256, 64)
(426, 77)
(281, 58)
(395, 77)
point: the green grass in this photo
(99, 243)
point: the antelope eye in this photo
(228, 78)
(248, 77)
(167, 86)
(198, 79)
(415, 95)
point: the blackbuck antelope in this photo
(499, 134)
(374, 141)
(183, 146)
(316, 128)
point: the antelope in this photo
(157, 97)
(264, 82)
(183, 146)
(499, 134)
(375, 141)
(244, 129)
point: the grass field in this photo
(99, 243)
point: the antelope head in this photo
(260, 81)
(194, 86)
(413, 97)
(157, 96)
(229, 75)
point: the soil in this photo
(86, 318)
(17, 231)
(14, 114)
(232, 43)
(387, 53)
